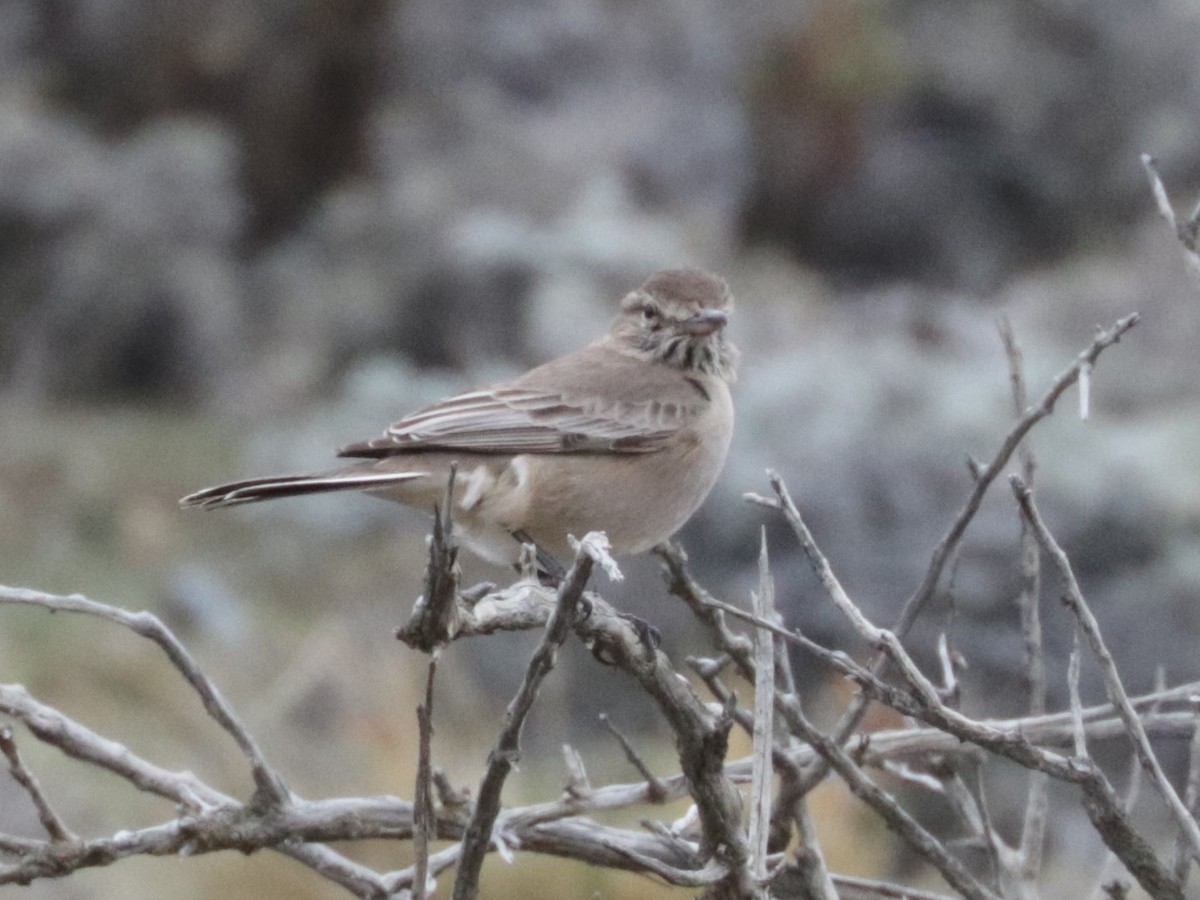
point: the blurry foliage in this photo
(958, 142)
(295, 80)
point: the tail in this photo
(252, 490)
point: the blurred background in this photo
(235, 234)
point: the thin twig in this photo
(1103, 808)
(224, 824)
(1191, 795)
(886, 807)
(269, 786)
(423, 813)
(830, 750)
(1133, 789)
(656, 790)
(851, 888)
(504, 755)
(948, 546)
(50, 820)
(1037, 804)
(810, 861)
(1074, 599)
(79, 742)
(764, 703)
(1102, 805)
(1187, 231)
(942, 553)
(920, 597)
(578, 785)
(1005, 862)
(1078, 732)
(701, 737)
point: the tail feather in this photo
(252, 490)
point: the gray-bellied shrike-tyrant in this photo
(625, 436)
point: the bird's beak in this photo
(705, 322)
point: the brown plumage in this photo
(625, 436)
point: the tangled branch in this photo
(725, 847)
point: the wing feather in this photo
(526, 420)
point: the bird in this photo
(627, 436)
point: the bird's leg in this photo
(550, 571)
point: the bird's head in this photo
(678, 318)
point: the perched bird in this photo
(625, 436)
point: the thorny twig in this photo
(948, 546)
(1073, 597)
(504, 755)
(221, 822)
(725, 862)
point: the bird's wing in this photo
(517, 419)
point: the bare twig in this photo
(949, 688)
(701, 737)
(1085, 391)
(949, 543)
(52, 727)
(850, 888)
(217, 822)
(830, 750)
(528, 607)
(46, 815)
(712, 612)
(948, 546)
(1078, 732)
(1004, 861)
(578, 785)
(423, 813)
(656, 790)
(1105, 812)
(1133, 788)
(507, 750)
(1075, 601)
(1187, 231)
(1191, 795)
(817, 560)
(886, 807)
(1103, 808)
(1033, 828)
(764, 703)
(810, 865)
(270, 788)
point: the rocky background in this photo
(234, 235)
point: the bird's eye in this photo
(649, 313)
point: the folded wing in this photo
(525, 420)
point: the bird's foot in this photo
(550, 572)
(648, 636)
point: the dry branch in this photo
(711, 849)
(505, 754)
